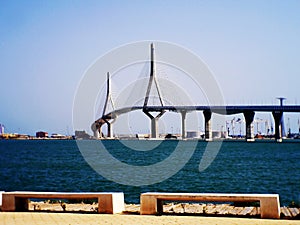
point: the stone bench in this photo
(152, 203)
(1, 192)
(108, 202)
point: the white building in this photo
(1, 129)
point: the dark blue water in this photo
(240, 167)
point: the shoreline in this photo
(70, 138)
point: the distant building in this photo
(81, 134)
(142, 136)
(1, 129)
(41, 134)
(58, 136)
(192, 134)
(22, 136)
(170, 136)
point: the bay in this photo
(239, 167)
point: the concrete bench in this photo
(1, 192)
(108, 202)
(152, 203)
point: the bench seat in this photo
(108, 202)
(151, 202)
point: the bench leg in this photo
(118, 202)
(21, 204)
(112, 203)
(150, 205)
(105, 204)
(8, 203)
(270, 208)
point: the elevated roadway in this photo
(247, 110)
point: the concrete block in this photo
(151, 203)
(1, 198)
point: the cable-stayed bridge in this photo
(247, 110)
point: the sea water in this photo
(239, 167)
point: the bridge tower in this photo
(96, 127)
(152, 78)
(107, 101)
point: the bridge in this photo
(247, 110)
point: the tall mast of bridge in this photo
(153, 78)
(108, 96)
(108, 99)
(154, 119)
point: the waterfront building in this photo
(1, 129)
(41, 134)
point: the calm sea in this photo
(240, 167)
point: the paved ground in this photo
(33, 218)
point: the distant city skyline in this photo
(252, 48)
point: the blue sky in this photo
(252, 47)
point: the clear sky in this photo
(252, 47)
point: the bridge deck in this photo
(224, 110)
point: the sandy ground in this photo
(42, 218)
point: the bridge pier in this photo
(154, 127)
(96, 130)
(277, 115)
(109, 129)
(154, 123)
(207, 125)
(249, 116)
(183, 117)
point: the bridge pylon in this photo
(97, 127)
(152, 78)
(107, 101)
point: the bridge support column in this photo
(277, 115)
(154, 123)
(154, 127)
(96, 130)
(100, 132)
(207, 125)
(183, 117)
(109, 129)
(249, 116)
